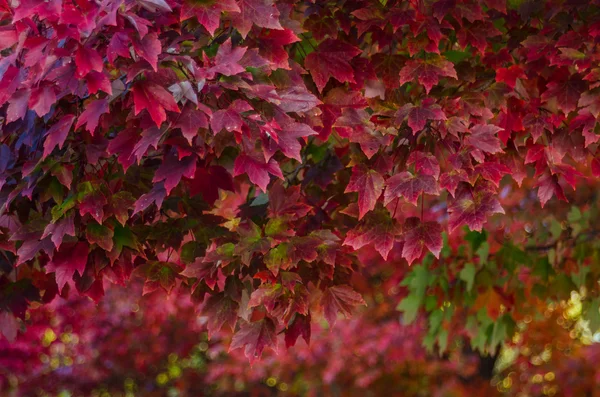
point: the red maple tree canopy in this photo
(272, 158)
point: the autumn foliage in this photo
(277, 163)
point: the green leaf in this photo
(435, 320)
(467, 274)
(483, 252)
(409, 306)
(59, 210)
(277, 258)
(457, 56)
(592, 314)
(100, 235)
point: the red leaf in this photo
(369, 185)
(409, 186)
(419, 115)
(471, 206)
(173, 169)
(58, 230)
(257, 170)
(42, 98)
(548, 186)
(91, 114)
(155, 99)
(220, 310)
(17, 105)
(419, 235)
(227, 60)
(93, 203)
(287, 133)
(427, 72)
(565, 94)
(86, 60)
(189, 121)
(229, 119)
(118, 46)
(340, 299)
(381, 233)
(262, 13)
(208, 14)
(65, 262)
(297, 99)
(57, 134)
(331, 59)
(149, 48)
(156, 195)
(208, 181)
(98, 81)
(299, 327)
(425, 163)
(254, 337)
(484, 137)
(510, 75)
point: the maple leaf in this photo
(419, 235)
(57, 134)
(425, 163)
(149, 48)
(17, 105)
(155, 99)
(173, 169)
(297, 99)
(262, 13)
(99, 235)
(271, 46)
(409, 186)
(59, 229)
(156, 196)
(190, 121)
(86, 60)
(427, 72)
(340, 299)
(98, 81)
(510, 75)
(220, 310)
(548, 186)
(565, 93)
(118, 46)
(93, 203)
(387, 67)
(91, 115)
(229, 119)
(492, 171)
(287, 133)
(369, 185)
(299, 327)
(29, 249)
(227, 60)
(484, 137)
(208, 13)
(254, 337)
(42, 98)
(208, 180)
(419, 115)
(377, 229)
(590, 102)
(331, 59)
(72, 258)
(257, 169)
(471, 206)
